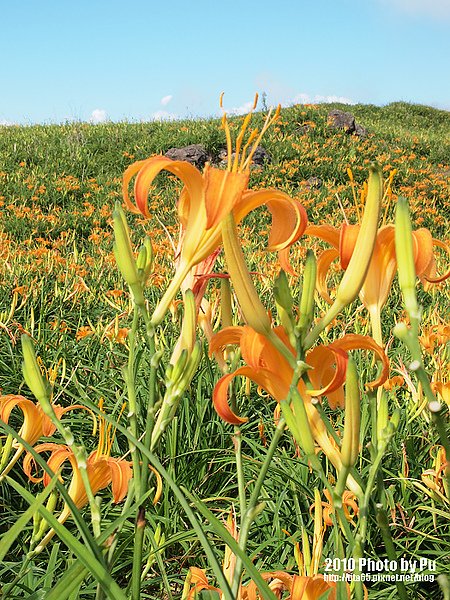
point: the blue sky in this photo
(94, 60)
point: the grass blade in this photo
(11, 535)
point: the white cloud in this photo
(162, 115)
(439, 9)
(239, 110)
(166, 99)
(5, 123)
(303, 98)
(98, 116)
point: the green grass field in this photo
(61, 286)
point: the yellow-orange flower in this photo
(101, 469)
(208, 197)
(35, 423)
(299, 587)
(383, 265)
(268, 368)
(307, 586)
(349, 506)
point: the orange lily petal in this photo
(34, 419)
(353, 341)
(223, 190)
(189, 175)
(228, 336)
(423, 250)
(289, 217)
(321, 359)
(347, 240)
(323, 265)
(121, 472)
(327, 233)
(220, 398)
(428, 275)
(382, 268)
(130, 172)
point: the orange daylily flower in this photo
(308, 585)
(383, 265)
(268, 368)
(208, 197)
(299, 587)
(35, 423)
(349, 506)
(101, 468)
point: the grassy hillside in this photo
(60, 284)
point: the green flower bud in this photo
(405, 258)
(38, 385)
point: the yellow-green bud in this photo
(32, 373)
(225, 303)
(297, 421)
(144, 260)
(352, 423)
(5, 451)
(405, 257)
(284, 303)
(124, 254)
(308, 288)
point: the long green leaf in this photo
(209, 551)
(11, 535)
(77, 572)
(76, 515)
(97, 569)
(70, 582)
(229, 540)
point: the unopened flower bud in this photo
(32, 373)
(352, 423)
(405, 258)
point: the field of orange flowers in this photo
(230, 382)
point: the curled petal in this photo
(327, 233)
(423, 250)
(227, 336)
(187, 173)
(147, 170)
(60, 411)
(429, 275)
(323, 265)
(130, 172)
(220, 398)
(289, 218)
(322, 359)
(159, 485)
(59, 450)
(283, 259)
(353, 341)
(34, 420)
(273, 383)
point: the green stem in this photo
(252, 507)
(132, 403)
(150, 418)
(237, 441)
(137, 554)
(389, 545)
